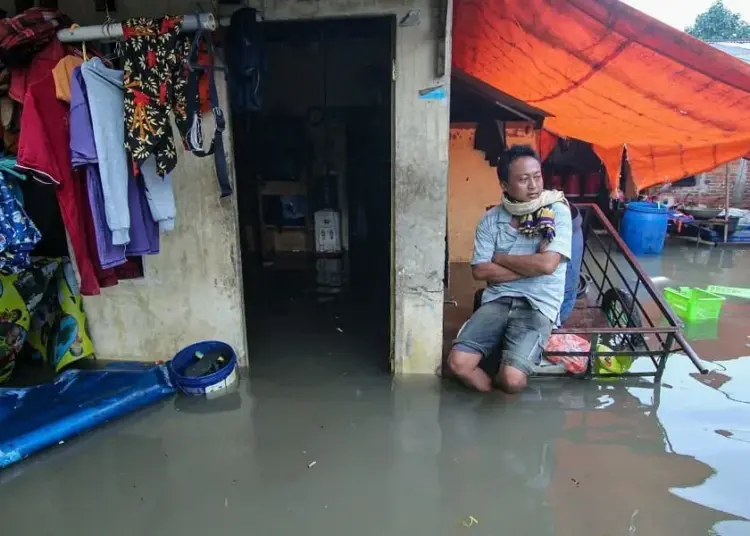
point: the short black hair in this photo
(510, 156)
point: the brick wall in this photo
(710, 189)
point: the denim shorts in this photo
(507, 331)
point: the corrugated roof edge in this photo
(739, 52)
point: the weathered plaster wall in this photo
(472, 187)
(420, 198)
(194, 292)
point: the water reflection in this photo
(572, 458)
(412, 456)
(706, 418)
(689, 265)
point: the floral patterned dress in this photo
(155, 83)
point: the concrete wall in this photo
(194, 289)
(472, 187)
(420, 195)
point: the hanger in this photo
(83, 44)
(116, 55)
(108, 21)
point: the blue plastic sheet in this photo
(35, 418)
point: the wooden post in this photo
(726, 206)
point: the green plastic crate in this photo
(707, 330)
(694, 304)
(738, 292)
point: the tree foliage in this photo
(719, 23)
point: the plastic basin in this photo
(203, 384)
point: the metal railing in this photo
(634, 330)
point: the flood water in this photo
(353, 451)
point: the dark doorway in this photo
(314, 175)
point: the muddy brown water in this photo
(336, 447)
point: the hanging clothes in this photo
(206, 60)
(43, 307)
(194, 137)
(18, 234)
(104, 94)
(44, 61)
(63, 73)
(245, 52)
(44, 211)
(159, 195)
(59, 332)
(125, 203)
(144, 231)
(8, 169)
(83, 155)
(8, 165)
(4, 82)
(155, 82)
(24, 35)
(44, 150)
(10, 117)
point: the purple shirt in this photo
(144, 231)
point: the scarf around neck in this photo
(535, 216)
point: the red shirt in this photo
(44, 61)
(44, 148)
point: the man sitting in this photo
(521, 250)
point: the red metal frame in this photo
(608, 263)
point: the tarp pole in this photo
(738, 186)
(726, 206)
(191, 23)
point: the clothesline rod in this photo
(205, 21)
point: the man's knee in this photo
(462, 363)
(511, 380)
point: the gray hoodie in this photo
(107, 104)
(104, 88)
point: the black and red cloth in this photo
(22, 36)
(155, 83)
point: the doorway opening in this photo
(314, 183)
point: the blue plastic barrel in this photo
(197, 386)
(644, 227)
(573, 271)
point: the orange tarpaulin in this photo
(614, 77)
(547, 143)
